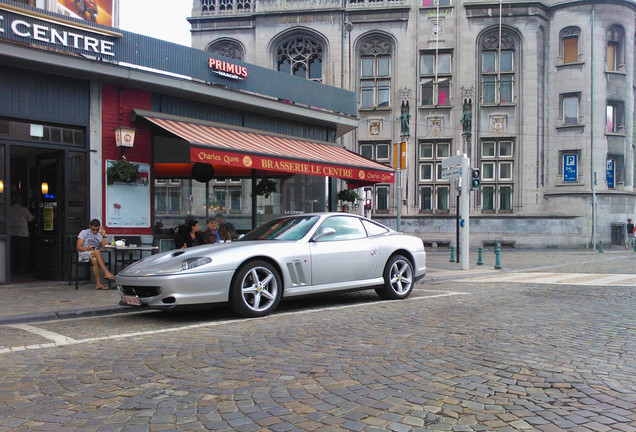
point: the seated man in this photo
(226, 227)
(88, 243)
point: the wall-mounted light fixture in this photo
(1, 186)
(124, 137)
(45, 188)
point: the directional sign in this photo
(452, 161)
(450, 173)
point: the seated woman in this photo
(190, 237)
(88, 243)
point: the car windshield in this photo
(291, 228)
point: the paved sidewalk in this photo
(43, 301)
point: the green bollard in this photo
(634, 246)
(479, 259)
(452, 258)
(600, 246)
(497, 259)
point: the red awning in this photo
(245, 149)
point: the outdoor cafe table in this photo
(126, 255)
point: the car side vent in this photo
(295, 269)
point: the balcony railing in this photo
(295, 5)
(359, 4)
(241, 7)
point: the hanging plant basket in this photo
(122, 171)
(348, 195)
(265, 187)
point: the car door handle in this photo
(373, 252)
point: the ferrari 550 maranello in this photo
(289, 256)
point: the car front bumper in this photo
(169, 291)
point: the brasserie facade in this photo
(96, 122)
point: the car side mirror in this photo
(241, 236)
(324, 232)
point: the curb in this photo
(66, 314)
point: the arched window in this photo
(569, 44)
(498, 68)
(301, 56)
(615, 43)
(375, 72)
(227, 48)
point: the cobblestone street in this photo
(460, 355)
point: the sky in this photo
(162, 19)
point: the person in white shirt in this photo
(20, 218)
(89, 242)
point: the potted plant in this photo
(348, 195)
(122, 171)
(265, 187)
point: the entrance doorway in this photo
(50, 183)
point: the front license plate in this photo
(132, 300)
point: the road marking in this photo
(60, 340)
(55, 337)
(584, 279)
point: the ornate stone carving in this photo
(226, 48)
(490, 40)
(375, 126)
(435, 125)
(498, 123)
(375, 46)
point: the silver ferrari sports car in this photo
(286, 257)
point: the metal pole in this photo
(457, 228)
(465, 212)
(398, 186)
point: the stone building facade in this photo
(539, 95)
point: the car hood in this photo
(223, 257)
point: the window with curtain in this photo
(375, 72)
(615, 117)
(301, 56)
(615, 42)
(569, 46)
(570, 109)
(436, 77)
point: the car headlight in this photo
(190, 263)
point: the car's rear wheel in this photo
(398, 279)
(256, 289)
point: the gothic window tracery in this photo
(301, 56)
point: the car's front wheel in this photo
(398, 279)
(256, 289)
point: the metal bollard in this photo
(479, 258)
(600, 246)
(452, 258)
(497, 259)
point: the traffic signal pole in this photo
(464, 206)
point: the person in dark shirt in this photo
(189, 235)
(225, 226)
(630, 234)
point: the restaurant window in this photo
(433, 190)
(301, 56)
(436, 78)
(497, 170)
(569, 46)
(375, 72)
(498, 68)
(614, 54)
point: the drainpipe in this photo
(592, 173)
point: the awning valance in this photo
(250, 149)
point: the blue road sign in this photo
(570, 167)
